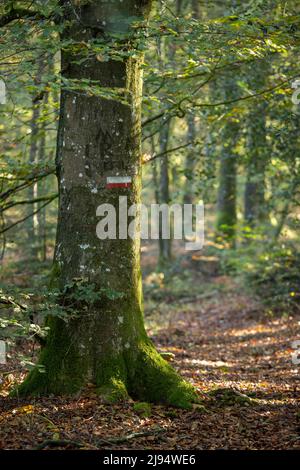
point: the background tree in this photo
(227, 215)
(255, 204)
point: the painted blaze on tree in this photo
(106, 343)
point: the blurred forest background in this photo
(219, 125)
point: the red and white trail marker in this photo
(118, 182)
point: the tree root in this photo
(142, 374)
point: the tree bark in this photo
(190, 161)
(106, 343)
(165, 245)
(191, 135)
(254, 198)
(226, 207)
(41, 191)
(196, 8)
(31, 224)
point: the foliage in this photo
(271, 271)
(276, 278)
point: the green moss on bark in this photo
(156, 381)
(65, 366)
(54, 275)
(142, 374)
(143, 409)
(114, 391)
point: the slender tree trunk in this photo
(254, 199)
(155, 174)
(190, 161)
(41, 190)
(31, 223)
(165, 245)
(226, 207)
(106, 344)
(196, 8)
(191, 135)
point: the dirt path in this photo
(222, 343)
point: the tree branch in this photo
(28, 181)
(162, 154)
(19, 14)
(28, 216)
(26, 201)
(246, 97)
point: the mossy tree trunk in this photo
(106, 343)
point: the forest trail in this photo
(222, 341)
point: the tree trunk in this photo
(155, 174)
(190, 161)
(106, 343)
(196, 8)
(254, 199)
(255, 210)
(191, 136)
(165, 245)
(226, 207)
(31, 223)
(41, 191)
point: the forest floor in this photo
(222, 340)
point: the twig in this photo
(20, 13)
(30, 215)
(59, 443)
(100, 442)
(206, 295)
(11, 302)
(134, 435)
(27, 201)
(162, 154)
